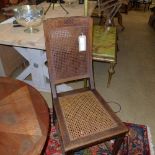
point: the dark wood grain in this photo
(24, 118)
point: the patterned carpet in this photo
(135, 143)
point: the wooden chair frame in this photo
(65, 64)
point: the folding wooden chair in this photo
(84, 118)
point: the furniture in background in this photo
(125, 6)
(32, 46)
(24, 118)
(106, 10)
(152, 18)
(10, 60)
(138, 3)
(35, 2)
(84, 118)
(105, 47)
(3, 3)
(10, 5)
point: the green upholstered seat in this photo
(104, 44)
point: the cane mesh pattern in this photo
(67, 61)
(84, 115)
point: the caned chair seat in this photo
(87, 119)
(83, 117)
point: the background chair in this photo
(84, 118)
(106, 10)
(8, 9)
(105, 36)
(105, 48)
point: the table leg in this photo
(111, 71)
(2, 72)
(37, 69)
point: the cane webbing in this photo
(67, 60)
(84, 115)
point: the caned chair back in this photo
(65, 61)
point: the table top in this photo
(17, 37)
(24, 118)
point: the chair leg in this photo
(54, 116)
(145, 7)
(69, 153)
(126, 9)
(117, 144)
(149, 6)
(85, 83)
(101, 18)
(111, 71)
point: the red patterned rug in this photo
(137, 142)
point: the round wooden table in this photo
(24, 118)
